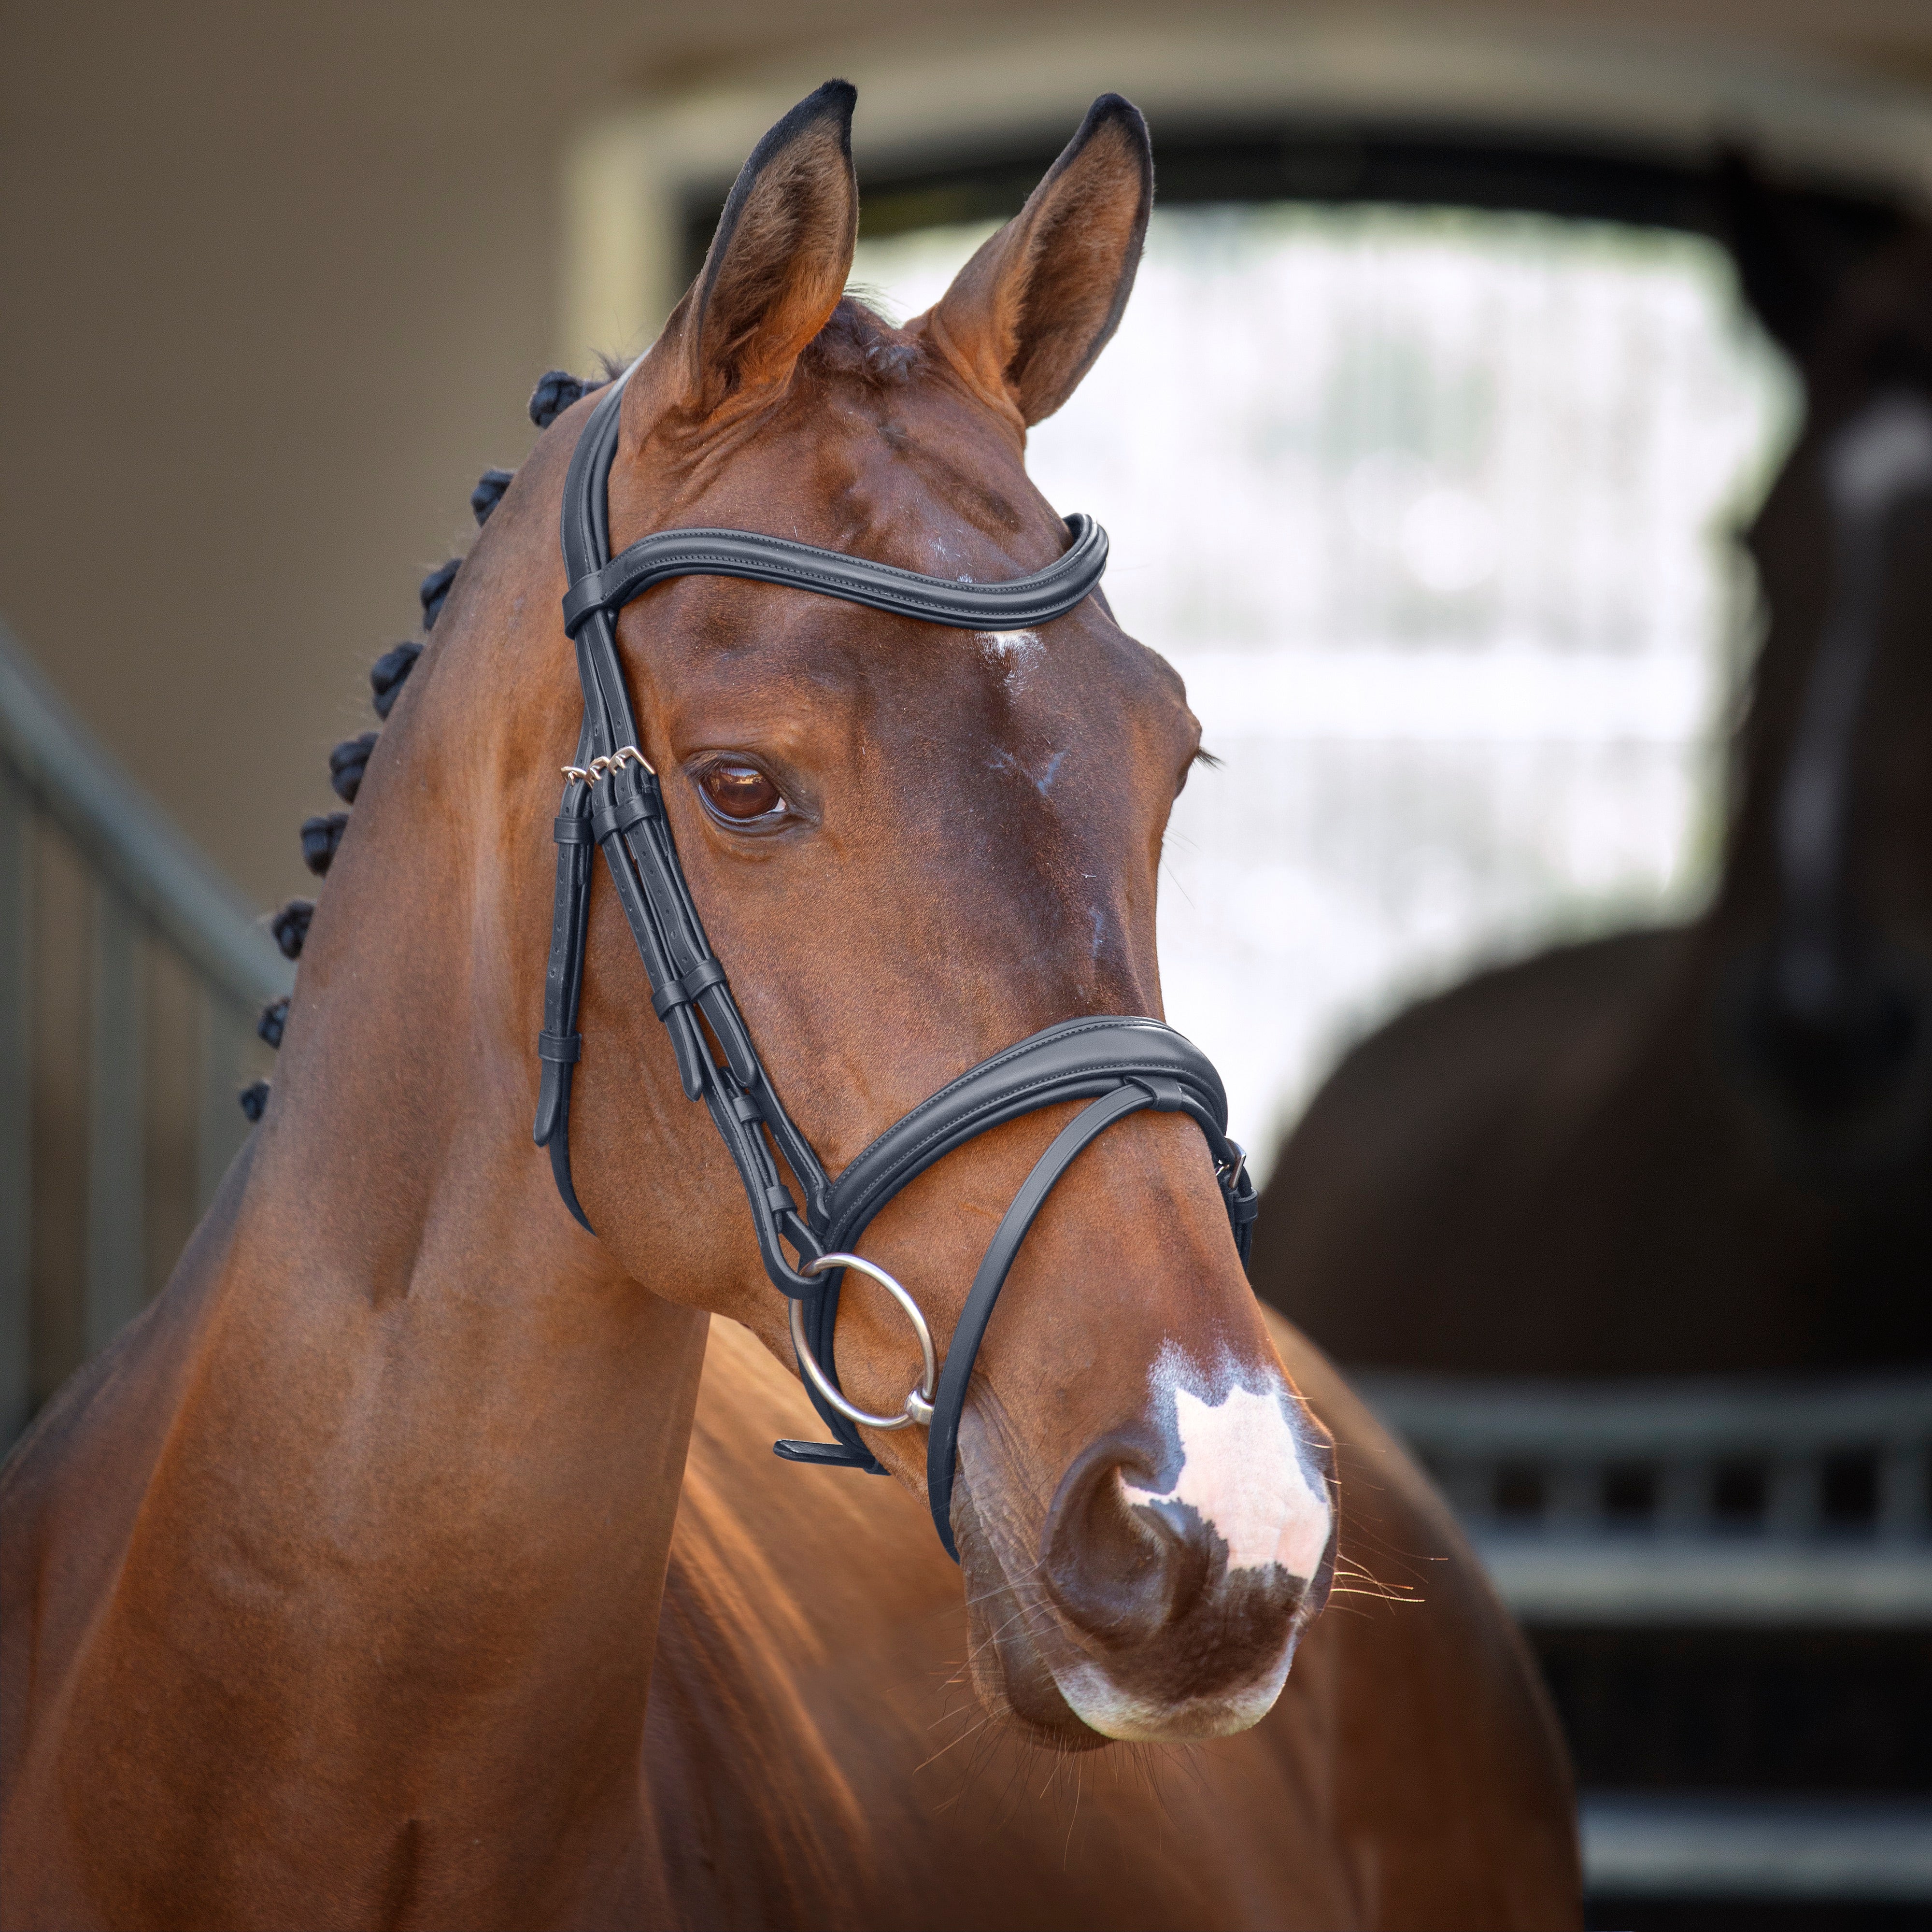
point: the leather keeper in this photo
(570, 829)
(1168, 1097)
(706, 974)
(620, 815)
(565, 1047)
(584, 596)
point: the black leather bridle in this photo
(612, 800)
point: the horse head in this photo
(1831, 833)
(911, 846)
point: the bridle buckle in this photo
(600, 766)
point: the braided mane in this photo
(556, 390)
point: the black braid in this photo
(488, 493)
(387, 674)
(320, 838)
(434, 588)
(556, 389)
(345, 765)
(290, 926)
(555, 392)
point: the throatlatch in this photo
(612, 800)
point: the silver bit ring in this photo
(919, 1402)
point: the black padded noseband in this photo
(612, 800)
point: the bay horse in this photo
(1708, 1148)
(418, 1559)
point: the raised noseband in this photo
(611, 799)
(1120, 1065)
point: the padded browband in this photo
(1016, 605)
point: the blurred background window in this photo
(1434, 511)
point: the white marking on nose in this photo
(1242, 1469)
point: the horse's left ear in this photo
(1025, 318)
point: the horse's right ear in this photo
(778, 264)
(1025, 318)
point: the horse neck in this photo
(415, 1507)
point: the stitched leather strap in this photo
(1016, 605)
(563, 980)
(963, 1351)
(642, 861)
(1077, 1060)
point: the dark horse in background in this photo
(1706, 1148)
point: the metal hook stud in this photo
(602, 766)
(919, 1402)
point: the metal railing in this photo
(1727, 1504)
(1698, 1501)
(1687, 1845)
(109, 917)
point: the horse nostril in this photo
(1122, 1574)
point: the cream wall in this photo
(278, 279)
(627, 174)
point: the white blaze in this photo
(1241, 1469)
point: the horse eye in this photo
(741, 792)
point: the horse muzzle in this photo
(1157, 1611)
